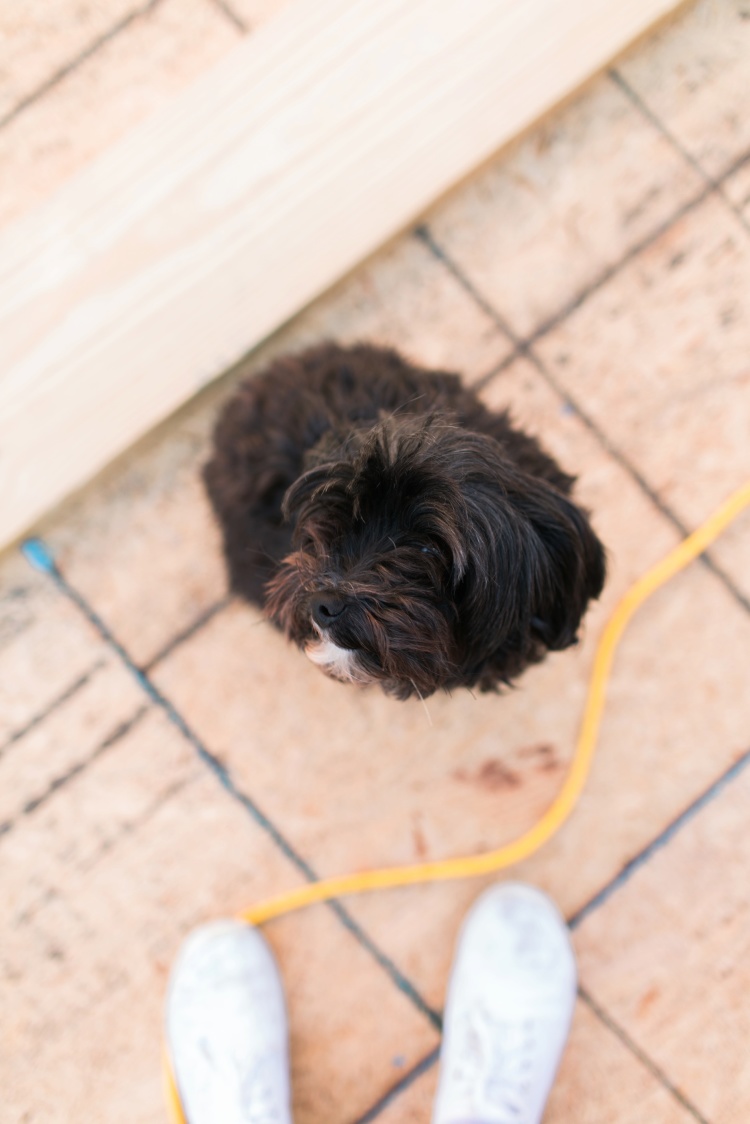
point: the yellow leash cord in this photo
(471, 866)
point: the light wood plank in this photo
(182, 247)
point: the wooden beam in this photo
(184, 245)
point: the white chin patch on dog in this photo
(341, 663)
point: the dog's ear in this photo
(566, 564)
(535, 563)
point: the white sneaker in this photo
(510, 1003)
(226, 1028)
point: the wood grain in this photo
(187, 243)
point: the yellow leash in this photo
(471, 866)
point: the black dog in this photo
(394, 527)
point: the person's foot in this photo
(510, 1003)
(226, 1028)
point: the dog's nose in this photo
(326, 608)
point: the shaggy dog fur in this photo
(395, 528)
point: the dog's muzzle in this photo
(325, 608)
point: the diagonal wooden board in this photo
(184, 245)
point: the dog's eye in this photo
(430, 550)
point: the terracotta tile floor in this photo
(166, 758)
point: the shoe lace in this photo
(493, 1065)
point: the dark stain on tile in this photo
(647, 1001)
(420, 843)
(543, 755)
(492, 775)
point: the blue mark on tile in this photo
(37, 555)
(399, 1061)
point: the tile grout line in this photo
(185, 634)
(618, 79)
(656, 1071)
(67, 68)
(62, 780)
(39, 557)
(497, 369)
(648, 114)
(58, 701)
(524, 349)
(228, 12)
(661, 840)
(401, 1086)
(608, 272)
(524, 344)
